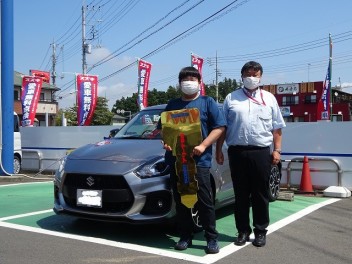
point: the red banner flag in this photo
(87, 90)
(144, 69)
(30, 93)
(197, 62)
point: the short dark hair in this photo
(189, 71)
(252, 65)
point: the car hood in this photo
(119, 150)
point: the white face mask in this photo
(251, 82)
(189, 87)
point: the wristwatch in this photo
(278, 151)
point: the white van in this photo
(17, 158)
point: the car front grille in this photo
(117, 196)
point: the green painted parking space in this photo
(28, 198)
(25, 198)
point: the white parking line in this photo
(23, 183)
(207, 259)
(25, 215)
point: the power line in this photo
(111, 56)
(173, 40)
(283, 51)
(46, 54)
(126, 9)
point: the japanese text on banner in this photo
(30, 93)
(144, 69)
(87, 90)
(197, 63)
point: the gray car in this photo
(125, 178)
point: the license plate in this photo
(89, 198)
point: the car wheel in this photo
(16, 165)
(197, 226)
(274, 182)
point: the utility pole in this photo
(217, 74)
(84, 45)
(86, 48)
(53, 72)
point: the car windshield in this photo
(143, 125)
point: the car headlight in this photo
(154, 168)
(60, 171)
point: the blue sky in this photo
(289, 38)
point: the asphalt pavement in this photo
(322, 236)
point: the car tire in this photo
(16, 165)
(274, 182)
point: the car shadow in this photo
(161, 236)
(150, 235)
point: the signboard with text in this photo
(42, 74)
(285, 111)
(291, 88)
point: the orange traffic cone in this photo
(306, 182)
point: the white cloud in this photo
(115, 92)
(97, 55)
(100, 54)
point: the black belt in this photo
(247, 147)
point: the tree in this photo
(102, 115)
(172, 93)
(70, 114)
(224, 88)
(160, 97)
(155, 97)
(127, 104)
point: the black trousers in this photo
(250, 171)
(205, 206)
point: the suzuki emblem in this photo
(90, 181)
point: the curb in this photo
(25, 178)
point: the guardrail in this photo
(300, 159)
(37, 157)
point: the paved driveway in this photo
(306, 230)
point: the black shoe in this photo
(183, 244)
(242, 238)
(259, 240)
(212, 247)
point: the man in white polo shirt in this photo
(254, 123)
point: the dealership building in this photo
(301, 102)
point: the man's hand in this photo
(198, 150)
(276, 157)
(219, 157)
(166, 146)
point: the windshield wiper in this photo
(130, 137)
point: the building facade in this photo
(301, 102)
(47, 107)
